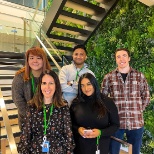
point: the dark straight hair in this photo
(37, 100)
(98, 100)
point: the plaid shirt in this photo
(131, 97)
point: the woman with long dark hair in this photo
(94, 118)
(47, 124)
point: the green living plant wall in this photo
(129, 25)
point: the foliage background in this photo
(129, 25)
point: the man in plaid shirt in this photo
(130, 92)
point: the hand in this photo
(69, 83)
(81, 131)
(93, 134)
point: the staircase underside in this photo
(72, 22)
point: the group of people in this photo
(70, 114)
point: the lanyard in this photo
(33, 84)
(97, 139)
(77, 73)
(46, 123)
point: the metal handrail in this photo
(51, 46)
(38, 5)
(10, 137)
(125, 143)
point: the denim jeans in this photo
(134, 137)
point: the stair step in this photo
(77, 18)
(11, 113)
(6, 88)
(6, 72)
(12, 122)
(10, 106)
(64, 48)
(12, 55)
(10, 68)
(71, 30)
(9, 101)
(7, 98)
(8, 61)
(6, 93)
(65, 39)
(84, 6)
(6, 77)
(6, 82)
(17, 139)
(15, 130)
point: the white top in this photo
(68, 73)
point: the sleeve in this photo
(75, 127)
(68, 135)
(18, 94)
(114, 123)
(63, 77)
(145, 94)
(25, 137)
(105, 85)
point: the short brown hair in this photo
(120, 49)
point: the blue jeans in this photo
(134, 137)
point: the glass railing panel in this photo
(30, 3)
(48, 43)
(34, 32)
(11, 37)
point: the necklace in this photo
(46, 108)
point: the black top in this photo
(59, 133)
(124, 75)
(83, 114)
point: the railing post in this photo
(130, 149)
(125, 143)
(10, 137)
(3, 146)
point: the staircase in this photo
(9, 64)
(71, 22)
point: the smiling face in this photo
(86, 87)
(35, 62)
(79, 57)
(122, 59)
(48, 87)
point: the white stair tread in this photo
(6, 85)
(11, 106)
(7, 93)
(7, 81)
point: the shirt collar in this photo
(84, 66)
(131, 70)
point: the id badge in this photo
(45, 146)
(98, 152)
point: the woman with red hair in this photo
(26, 79)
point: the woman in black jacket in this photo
(94, 118)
